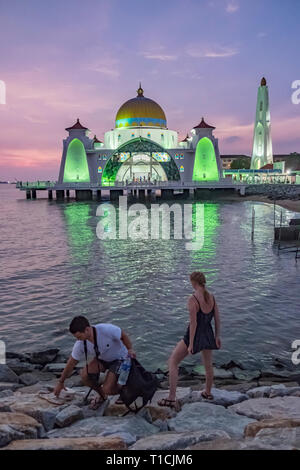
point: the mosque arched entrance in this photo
(140, 160)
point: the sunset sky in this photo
(66, 59)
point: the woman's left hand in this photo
(190, 349)
(218, 342)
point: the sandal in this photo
(207, 396)
(175, 404)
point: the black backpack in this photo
(140, 383)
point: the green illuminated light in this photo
(76, 166)
(205, 165)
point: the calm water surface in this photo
(54, 267)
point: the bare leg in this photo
(179, 353)
(209, 371)
(93, 369)
(110, 386)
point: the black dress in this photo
(204, 336)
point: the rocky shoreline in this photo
(291, 204)
(251, 409)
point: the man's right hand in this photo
(58, 388)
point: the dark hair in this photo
(78, 324)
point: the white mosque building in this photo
(140, 148)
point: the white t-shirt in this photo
(109, 344)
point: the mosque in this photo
(140, 148)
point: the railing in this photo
(35, 184)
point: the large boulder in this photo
(253, 428)
(19, 367)
(43, 357)
(34, 406)
(7, 375)
(91, 427)
(266, 391)
(18, 426)
(68, 415)
(175, 441)
(82, 443)
(221, 397)
(209, 417)
(268, 408)
(9, 386)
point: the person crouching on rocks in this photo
(198, 337)
(109, 345)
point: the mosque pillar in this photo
(60, 194)
(68, 193)
(50, 195)
(167, 193)
(142, 193)
(28, 194)
(83, 194)
(115, 193)
(33, 194)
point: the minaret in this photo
(262, 143)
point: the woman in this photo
(198, 337)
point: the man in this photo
(113, 345)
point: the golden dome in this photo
(141, 112)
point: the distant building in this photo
(228, 159)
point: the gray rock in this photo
(36, 376)
(7, 375)
(18, 426)
(221, 397)
(68, 415)
(209, 417)
(43, 357)
(28, 379)
(218, 373)
(240, 387)
(88, 427)
(246, 375)
(18, 356)
(9, 386)
(288, 391)
(57, 367)
(6, 393)
(176, 441)
(8, 434)
(279, 438)
(267, 408)
(265, 391)
(19, 367)
(162, 425)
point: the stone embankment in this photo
(251, 409)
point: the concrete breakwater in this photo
(251, 409)
(274, 191)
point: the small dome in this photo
(141, 112)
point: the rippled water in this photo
(54, 267)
